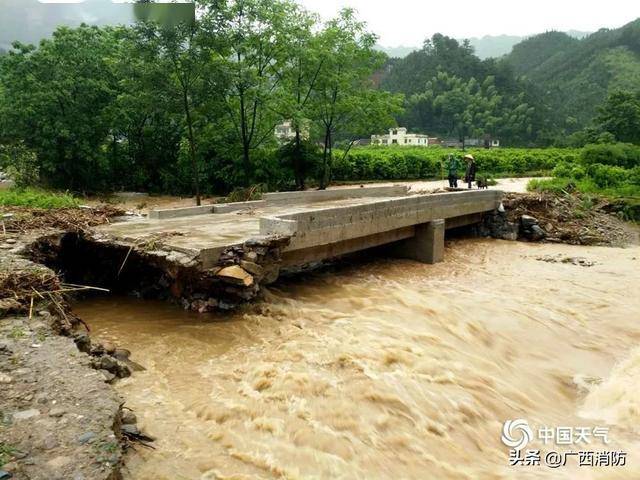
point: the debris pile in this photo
(17, 288)
(25, 219)
(23, 283)
(579, 261)
(573, 219)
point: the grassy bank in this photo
(611, 171)
(36, 198)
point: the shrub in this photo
(247, 194)
(620, 155)
(20, 163)
(406, 163)
(562, 170)
(577, 172)
(606, 176)
(634, 176)
(31, 197)
(553, 185)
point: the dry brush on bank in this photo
(573, 219)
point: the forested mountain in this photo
(577, 75)
(451, 92)
(555, 81)
(487, 46)
(409, 75)
(531, 53)
(396, 52)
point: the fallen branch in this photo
(86, 287)
(125, 261)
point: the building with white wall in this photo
(285, 132)
(399, 136)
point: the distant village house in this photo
(285, 132)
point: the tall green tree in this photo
(620, 116)
(177, 51)
(253, 39)
(147, 121)
(343, 100)
(300, 79)
(56, 100)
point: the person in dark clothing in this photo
(452, 171)
(472, 168)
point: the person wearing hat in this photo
(470, 174)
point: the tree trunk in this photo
(192, 149)
(325, 154)
(297, 162)
(329, 161)
(245, 139)
(246, 162)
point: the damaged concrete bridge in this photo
(414, 224)
(217, 255)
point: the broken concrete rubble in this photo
(496, 225)
(530, 229)
(160, 272)
(236, 276)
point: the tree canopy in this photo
(191, 107)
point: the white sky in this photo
(409, 22)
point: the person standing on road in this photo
(452, 171)
(472, 168)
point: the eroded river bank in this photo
(390, 369)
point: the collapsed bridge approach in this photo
(218, 256)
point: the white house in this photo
(285, 132)
(399, 136)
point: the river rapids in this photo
(390, 369)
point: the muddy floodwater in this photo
(392, 369)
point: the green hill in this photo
(530, 55)
(575, 76)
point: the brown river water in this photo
(391, 369)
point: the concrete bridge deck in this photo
(322, 225)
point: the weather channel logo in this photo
(567, 443)
(516, 434)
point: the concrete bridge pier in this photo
(426, 246)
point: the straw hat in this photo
(469, 157)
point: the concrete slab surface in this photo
(315, 223)
(201, 232)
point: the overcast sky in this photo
(409, 22)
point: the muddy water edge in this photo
(390, 368)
